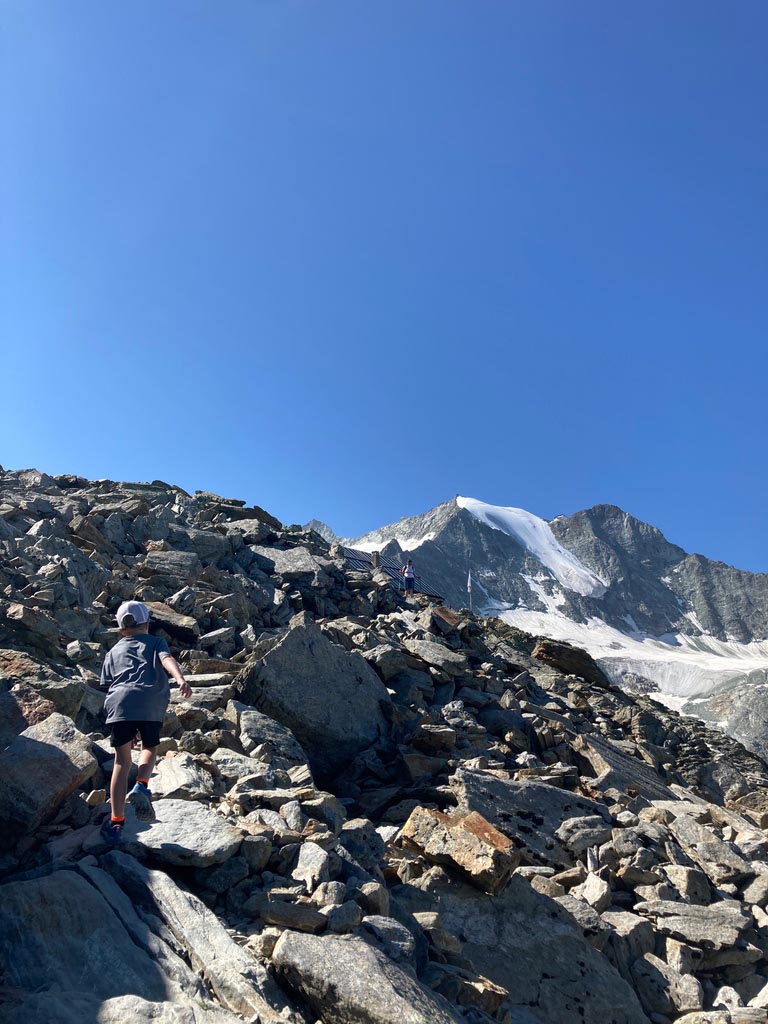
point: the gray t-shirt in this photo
(136, 680)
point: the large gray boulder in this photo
(347, 981)
(330, 699)
(716, 858)
(20, 707)
(38, 769)
(528, 812)
(78, 1008)
(466, 842)
(438, 656)
(719, 926)
(525, 942)
(58, 932)
(233, 766)
(184, 833)
(179, 776)
(294, 564)
(239, 981)
(257, 728)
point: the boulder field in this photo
(372, 809)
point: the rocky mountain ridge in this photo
(651, 614)
(373, 809)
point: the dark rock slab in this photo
(330, 699)
(38, 769)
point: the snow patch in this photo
(536, 536)
(682, 666)
(406, 543)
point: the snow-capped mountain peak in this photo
(653, 615)
(536, 536)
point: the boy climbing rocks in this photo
(135, 674)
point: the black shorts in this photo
(124, 732)
(409, 583)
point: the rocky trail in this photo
(372, 810)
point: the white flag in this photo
(469, 582)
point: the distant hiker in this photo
(409, 575)
(135, 674)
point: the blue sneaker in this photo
(111, 831)
(141, 799)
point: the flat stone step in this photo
(210, 697)
(210, 678)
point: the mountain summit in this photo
(654, 616)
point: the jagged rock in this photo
(179, 977)
(547, 886)
(294, 564)
(65, 694)
(388, 661)
(39, 768)
(233, 765)
(570, 660)
(223, 877)
(78, 1008)
(595, 891)
(181, 777)
(330, 699)
(181, 627)
(390, 936)
(757, 890)
(184, 833)
(330, 894)
(631, 937)
(691, 883)
(373, 898)
(257, 850)
(587, 918)
(527, 812)
(177, 565)
(342, 919)
(550, 971)
(718, 926)
(346, 980)
(239, 981)
(363, 842)
(35, 621)
(578, 834)
(257, 728)
(443, 658)
(719, 861)
(313, 866)
(727, 998)
(20, 707)
(466, 841)
(59, 930)
(300, 917)
(616, 769)
(662, 989)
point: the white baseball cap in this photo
(132, 613)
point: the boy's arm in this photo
(171, 666)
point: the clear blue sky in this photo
(347, 259)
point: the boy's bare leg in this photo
(139, 796)
(147, 762)
(119, 785)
